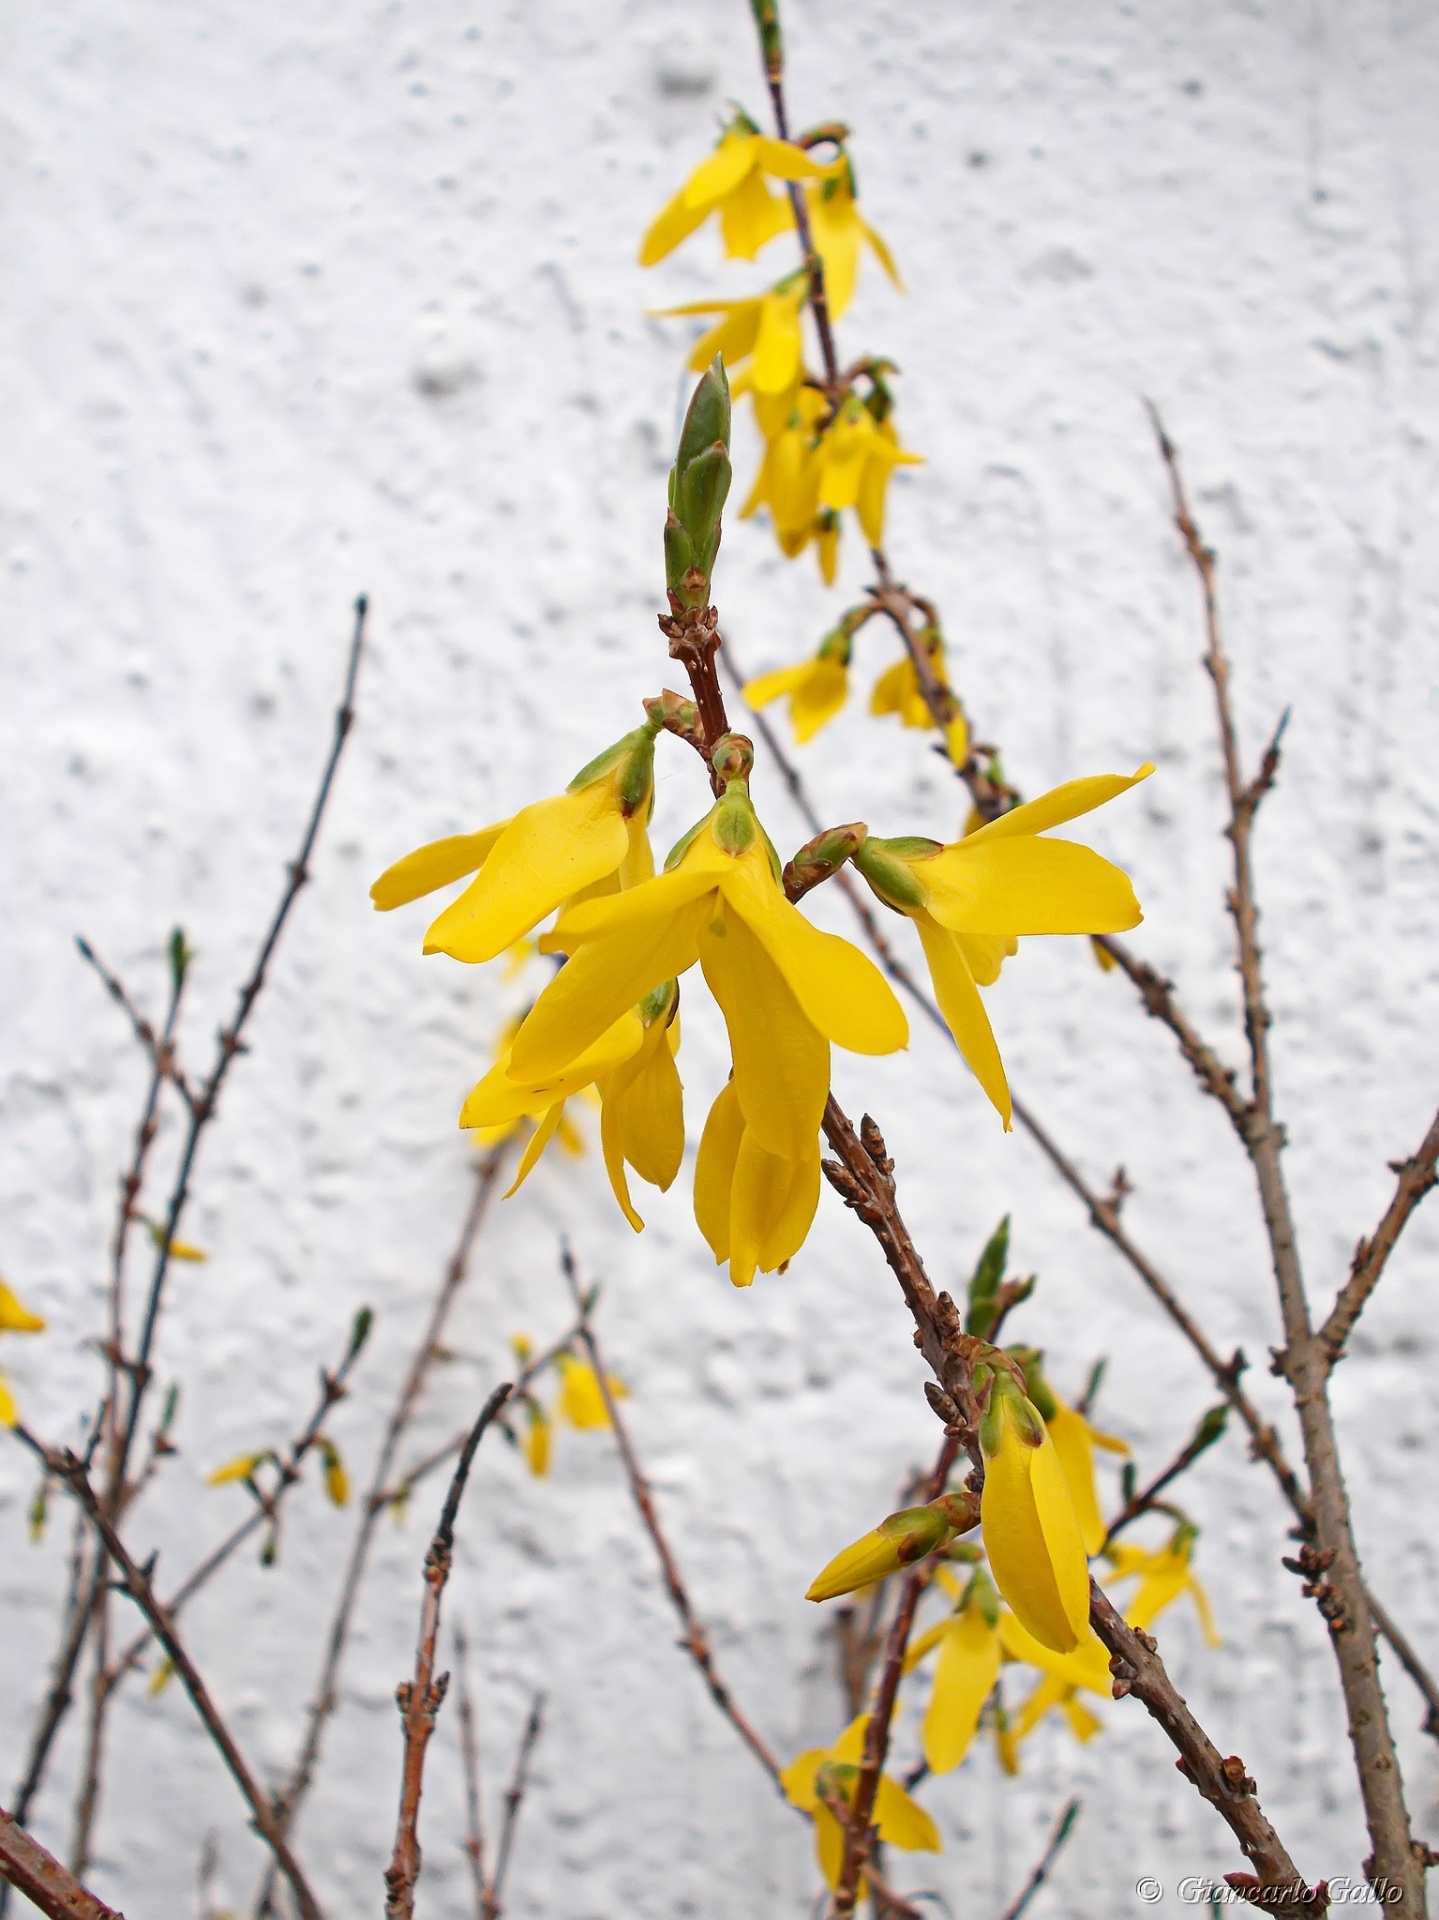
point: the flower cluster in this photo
(828, 448)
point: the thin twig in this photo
(420, 1698)
(326, 1696)
(858, 1827)
(25, 1865)
(694, 1639)
(1063, 1827)
(159, 1047)
(1147, 1498)
(68, 1468)
(473, 1844)
(514, 1800)
(1416, 1178)
(1330, 1561)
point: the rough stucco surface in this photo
(308, 300)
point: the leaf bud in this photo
(733, 757)
(821, 858)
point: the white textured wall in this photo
(309, 299)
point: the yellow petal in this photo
(788, 162)
(1027, 886)
(651, 1111)
(772, 1207)
(436, 865)
(1062, 1537)
(15, 1316)
(882, 254)
(500, 1097)
(797, 1779)
(964, 1012)
(581, 1401)
(890, 688)
(723, 170)
(968, 1666)
(842, 454)
(714, 1171)
(1205, 1612)
(9, 1412)
(1050, 1693)
(925, 1645)
(1062, 803)
(902, 1821)
(836, 227)
(1087, 1666)
(1032, 1539)
(779, 344)
(781, 1062)
(1070, 1433)
(1082, 1723)
(650, 935)
(238, 1469)
(841, 991)
(674, 223)
(547, 852)
(772, 686)
(537, 1444)
(538, 1141)
(985, 954)
(732, 338)
(828, 1844)
(820, 695)
(751, 217)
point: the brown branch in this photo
(694, 1640)
(1306, 1359)
(326, 1697)
(1044, 1866)
(136, 1582)
(1222, 1782)
(25, 1865)
(420, 1698)
(858, 1824)
(514, 1799)
(1161, 1003)
(1417, 1177)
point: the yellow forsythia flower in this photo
(337, 1481)
(753, 1207)
(160, 1678)
(15, 1317)
(732, 181)
(243, 1467)
(590, 838)
(856, 455)
(1163, 1576)
(642, 1119)
(1031, 1534)
(765, 326)
(896, 1542)
(968, 1667)
(581, 1401)
(786, 989)
(179, 1249)
(901, 1821)
(999, 884)
(1074, 1441)
(839, 229)
(817, 688)
(537, 1440)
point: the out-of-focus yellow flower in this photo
(856, 456)
(839, 230)
(160, 1678)
(15, 1316)
(179, 1249)
(538, 1439)
(1163, 1576)
(1031, 1534)
(1104, 959)
(788, 478)
(337, 1481)
(243, 1467)
(642, 1123)
(589, 839)
(817, 688)
(764, 329)
(901, 1821)
(970, 1655)
(581, 1401)
(732, 181)
(786, 990)
(999, 884)
(1050, 1694)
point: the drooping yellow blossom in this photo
(839, 230)
(537, 1442)
(1086, 1666)
(642, 1118)
(856, 456)
(732, 180)
(179, 1249)
(589, 839)
(901, 1821)
(817, 688)
(753, 1207)
(581, 1401)
(1030, 1531)
(786, 989)
(1074, 1441)
(1049, 1695)
(1163, 1576)
(968, 1666)
(15, 1317)
(337, 1481)
(765, 326)
(899, 1541)
(500, 1101)
(788, 478)
(1001, 883)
